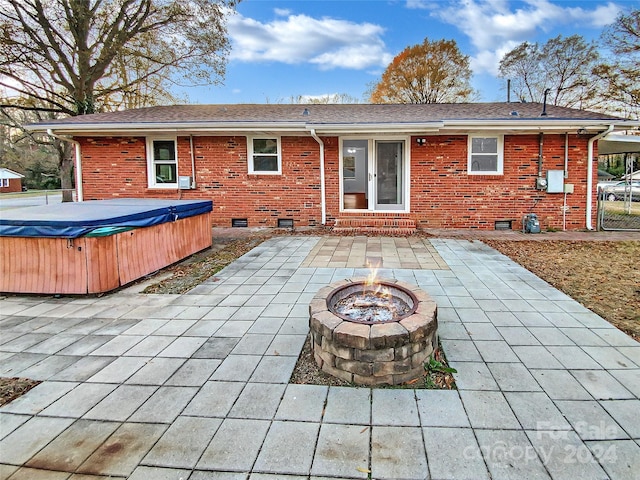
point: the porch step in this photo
(375, 225)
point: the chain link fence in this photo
(618, 212)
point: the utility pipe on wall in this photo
(193, 163)
(80, 195)
(323, 203)
(540, 156)
(590, 143)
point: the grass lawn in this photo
(619, 207)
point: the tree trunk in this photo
(65, 157)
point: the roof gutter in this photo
(204, 127)
(377, 128)
(592, 140)
(323, 203)
(80, 194)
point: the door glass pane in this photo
(389, 174)
(355, 174)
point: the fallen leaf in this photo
(363, 470)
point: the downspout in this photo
(566, 175)
(566, 154)
(80, 196)
(323, 203)
(592, 140)
(193, 163)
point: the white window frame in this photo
(500, 153)
(151, 162)
(5, 182)
(251, 155)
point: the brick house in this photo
(362, 166)
(10, 181)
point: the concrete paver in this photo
(342, 450)
(29, 438)
(388, 444)
(214, 399)
(235, 445)
(565, 456)
(123, 451)
(183, 443)
(288, 448)
(196, 385)
(394, 407)
(453, 454)
(348, 405)
(258, 401)
(71, 448)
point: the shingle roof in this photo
(319, 114)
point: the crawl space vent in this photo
(239, 222)
(285, 223)
(503, 224)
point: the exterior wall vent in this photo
(285, 223)
(239, 222)
(503, 224)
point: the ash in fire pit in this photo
(367, 303)
(364, 338)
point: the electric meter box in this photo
(555, 181)
(184, 183)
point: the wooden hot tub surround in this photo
(113, 252)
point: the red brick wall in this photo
(442, 194)
(117, 167)
(15, 185)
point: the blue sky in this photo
(284, 49)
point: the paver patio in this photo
(195, 386)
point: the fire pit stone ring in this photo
(373, 352)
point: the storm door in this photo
(373, 175)
(389, 175)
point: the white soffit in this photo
(616, 143)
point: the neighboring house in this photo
(362, 166)
(10, 181)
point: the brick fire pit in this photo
(373, 353)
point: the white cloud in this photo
(494, 28)
(326, 42)
(282, 12)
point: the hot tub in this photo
(97, 246)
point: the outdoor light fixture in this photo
(421, 141)
(582, 131)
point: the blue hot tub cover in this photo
(72, 220)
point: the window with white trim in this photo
(5, 182)
(264, 155)
(163, 162)
(486, 154)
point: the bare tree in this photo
(430, 72)
(621, 76)
(332, 98)
(72, 57)
(563, 66)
